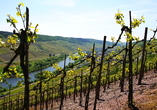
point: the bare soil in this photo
(145, 96)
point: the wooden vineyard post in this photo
(11, 103)
(75, 85)
(76, 81)
(4, 103)
(123, 70)
(104, 83)
(52, 99)
(43, 99)
(89, 78)
(57, 91)
(18, 105)
(24, 61)
(75, 88)
(47, 92)
(69, 91)
(97, 89)
(36, 98)
(81, 88)
(66, 89)
(40, 86)
(32, 97)
(62, 85)
(85, 82)
(130, 94)
(137, 66)
(9, 95)
(108, 74)
(141, 75)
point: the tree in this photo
(19, 43)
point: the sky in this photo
(82, 18)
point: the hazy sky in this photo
(81, 18)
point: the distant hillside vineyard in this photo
(46, 45)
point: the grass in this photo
(3, 51)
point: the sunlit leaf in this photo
(36, 30)
(18, 14)
(21, 4)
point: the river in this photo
(14, 80)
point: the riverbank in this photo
(35, 65)
(14, 80)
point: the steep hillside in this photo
(47, 45)
(145, 96)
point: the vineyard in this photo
(90, 72)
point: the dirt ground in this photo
(145, 96)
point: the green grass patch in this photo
(3, 51)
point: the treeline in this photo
(40, 64)
(68, 39)
(4, 34)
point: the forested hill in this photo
(46, 45)
(4, 34)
